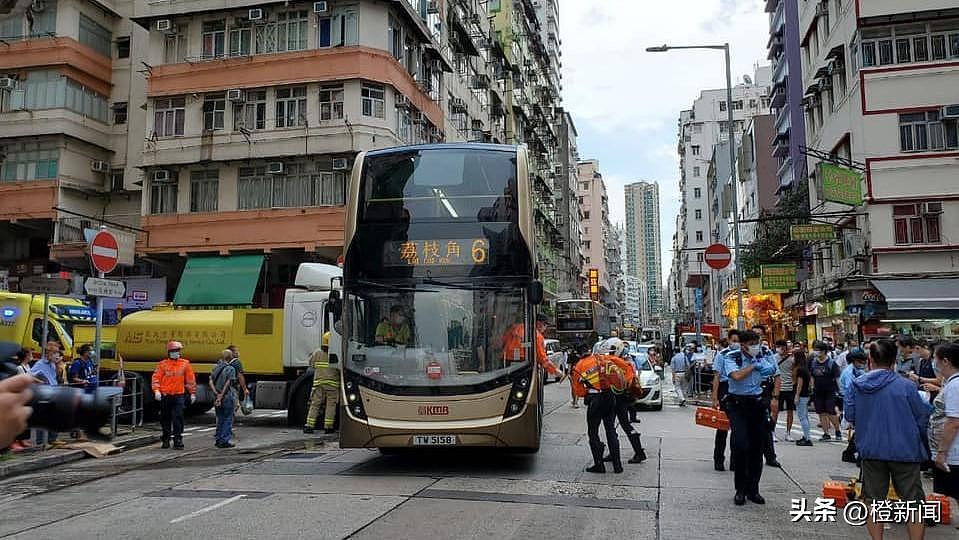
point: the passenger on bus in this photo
(514, 351)
(395, 330)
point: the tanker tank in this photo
(142, 336)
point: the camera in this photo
(61, 408)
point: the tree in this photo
(772, 243)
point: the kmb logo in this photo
(434, 410)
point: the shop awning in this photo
(219, 281)
(932, 296)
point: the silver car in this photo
(649, 377)
(557, 356)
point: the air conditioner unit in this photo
(164, 25)
(99, 166)
(321, 7)
(8, 83)
(275, 167)
(931, 208)
(949, 112)
(340, 164)
(255, 14)
(236, 95)
(433, 7)
(161, 176)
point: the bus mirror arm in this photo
(535, 292)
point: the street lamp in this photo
(740, 319)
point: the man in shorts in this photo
(787, 399)
(889, 416)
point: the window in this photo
(722, 105)
(697, 128)
(120, 113)
(868, 54)
(298, 187)
(917, 223)
(291, 107)
(395, 38)
(765, 102)
(909, 43)
(374, 101)
(51, 90)
(168, 117)
(696, 171)
(723, 127)
(939, 51)
(213, 39)
(95, 36)
(214, 106)
(738, 105)
(123, 47)
(585, 214)
(204, 190)
(752, 103)
(331, 102)
(695, 149)
(885, 52)
(176, 46)
(903, 51)
(583, 186)
(29, 161)
(241, 40)
(924, 131)
(163, 197)
(697, 193)
(699, 236)
(920, 48)
(291, 28)
(252, 113)
(699, 214)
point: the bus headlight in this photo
(354, 402)
(518, 394)
(351, 397)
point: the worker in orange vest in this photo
(597, 378)
(617, 351)
(172, 380)
(515, 351)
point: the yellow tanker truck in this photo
(274, 344)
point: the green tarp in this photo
(219, 281)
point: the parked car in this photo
(557, 356)
(649, 377)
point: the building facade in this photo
(643, 252)
(787, 90)
(571, 284)
(594, 209)
(880, 104)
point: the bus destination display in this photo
(473, 251)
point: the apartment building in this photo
(787, 91)
(67, 75)
(881, 105)
(568, 217)
(643, 252)
(594, 209)
(700, 129)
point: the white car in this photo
(650, 378)
(557, 356)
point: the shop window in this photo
(917, 223)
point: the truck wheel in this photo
(298, 403)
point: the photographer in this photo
(14, 395)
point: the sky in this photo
(625, 102)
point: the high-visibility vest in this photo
(600, 372)
(323, 374)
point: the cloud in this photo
(626, 102)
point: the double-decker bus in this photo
(581, 321)
(438, 271)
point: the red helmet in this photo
(174, 346)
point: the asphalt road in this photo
(280, 483)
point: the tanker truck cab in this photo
(21, 320)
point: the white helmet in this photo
(613, 346)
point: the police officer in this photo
(746, 369)
(720, 389)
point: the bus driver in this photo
(395, 330)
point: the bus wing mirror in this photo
(535, 292)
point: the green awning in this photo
(219, 281)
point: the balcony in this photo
(58, 121)
(777, 20)
(244, 230)
(76, 61)
(778, 98)
(33, 199)
(781, 70)
(69, 242)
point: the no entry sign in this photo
(718, 256)
(104, 251)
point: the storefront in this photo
(926, 308)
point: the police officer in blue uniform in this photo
(720, 389)
(746, 369)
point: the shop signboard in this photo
(840, 184)
(779, 278)
(872, 295)
(835, 307)
(812, 231)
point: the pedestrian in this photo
(785, 361)
(944, 424)
(802, 383)
(680, 365)
(825, 386)
(172, 380)
(326, 388)
(906, 357)
(237, 366)
(617, 350)
(83, 370)
(746, 369)
(223, 384)
(23, 359)
(855, 368)
(925, 374)
(582, 351)
(889, 417)
(596, 377)
(46, 371)
(720, 389)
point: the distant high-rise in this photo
(643, 253)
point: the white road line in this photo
(210, 508)
(206, 429)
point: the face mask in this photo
(734, 346)
(935, 367)
(174, 355)
(754, 350)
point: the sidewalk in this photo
(24, 462)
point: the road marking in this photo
(210, 508)
(206, 429)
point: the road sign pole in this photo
(99, 332)
(46, 324)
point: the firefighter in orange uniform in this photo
(514, 351)
(172, 380)
(595, 378)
